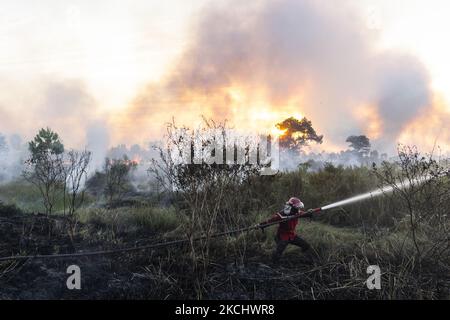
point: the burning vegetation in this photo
(404, 229)
(296, 133)
(177, 217)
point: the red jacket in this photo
(286, 229)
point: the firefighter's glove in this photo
(308, 214)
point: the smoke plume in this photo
(257, 64)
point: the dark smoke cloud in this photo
(319, 50)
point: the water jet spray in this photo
(378, 192)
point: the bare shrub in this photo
(421, 185)
(75, 173)
(46, 173)
(117, 177)
(211, 193)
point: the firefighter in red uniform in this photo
(286, 230)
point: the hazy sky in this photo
(104, 52)
(417, 26)
(111, 45)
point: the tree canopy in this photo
(297, 133)
(359, 143)
(45, 142)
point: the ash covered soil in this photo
(160, 274)
(28, 234)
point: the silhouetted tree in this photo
(360, 144)
(297, 133)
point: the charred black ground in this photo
(338, 272)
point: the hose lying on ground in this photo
(150, 246)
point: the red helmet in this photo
(296, 203)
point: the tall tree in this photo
(46, 142)
(45, 166)
(360, 144)
(297, 133)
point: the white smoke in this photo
(319, 53)
(13, 153)
(98, 140)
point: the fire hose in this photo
(301, 214)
